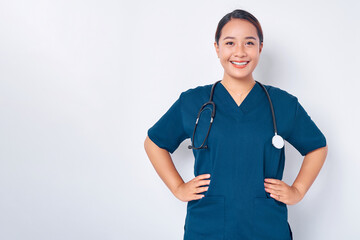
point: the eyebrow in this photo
(248, 37)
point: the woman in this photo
(237, 192)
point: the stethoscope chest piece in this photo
(278, 141)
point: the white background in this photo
(81, 82)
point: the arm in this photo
(163, 164)
(309, 170)
(304, 136)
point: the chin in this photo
(240, 75)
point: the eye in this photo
(228, 42)
(251, 43)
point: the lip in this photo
(243, 66)
(239, 61)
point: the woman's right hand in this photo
(189, 191)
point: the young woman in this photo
(238, 145)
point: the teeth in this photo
(243, 63)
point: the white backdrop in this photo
(81, 82)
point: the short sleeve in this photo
(305, 136)
(168, 132)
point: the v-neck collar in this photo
(249, 102)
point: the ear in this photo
(216, 49)
(261, 46)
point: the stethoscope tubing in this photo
(277, 140)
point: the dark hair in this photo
(240, 14)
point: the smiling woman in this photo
(239, 47)
(246, 198)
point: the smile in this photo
(239, 64)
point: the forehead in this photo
(238, 28)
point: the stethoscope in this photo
(277, 140)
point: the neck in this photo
(238, 85)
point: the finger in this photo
(198, 196)
(203, 182)
(269, 187)
(272, 181)
(269, 190)
(201, 189)
(277, 197)
(273, 186)
(202, 176)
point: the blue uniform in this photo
(239, 157)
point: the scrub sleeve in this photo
(168, 132)
(305, 136)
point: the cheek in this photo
(225, 53)
(224, 59)
(254, 54)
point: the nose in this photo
(240, 50)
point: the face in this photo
(238, 42)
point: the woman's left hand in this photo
(282, 192)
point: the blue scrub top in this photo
(239, 157)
